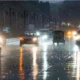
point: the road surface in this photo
(45, 62)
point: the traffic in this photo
(29, 38)
(40, 40)
(44, 35)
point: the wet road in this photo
(45, 62)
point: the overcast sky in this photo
(52, 0)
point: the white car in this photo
(44, 34)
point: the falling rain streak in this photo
(21, 72)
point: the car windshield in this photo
(39, 39)
(58, 32)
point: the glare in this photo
(75, 48)
(69, 32)
(34, 39)
(34, 49)
(38, 33)
(55, 44)
(45, 37)
(74, 33)
(77, 37)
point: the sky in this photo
(52, 0)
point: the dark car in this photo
(58, 37)
(78, 38)
(29, 38)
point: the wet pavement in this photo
(45, 62)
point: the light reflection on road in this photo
(21, 71)
(0, 65)
(34, 65)
(76, 66)
(45, 63)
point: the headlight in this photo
(55, 44)
(1, 40)
(34, 39)
(45, 37)
(38, 33)
(21, 38)
(69, 33)
(75, 48)
(74, 33)
(77, 37)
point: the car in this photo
(44, 34)
(58, 36)
(29, 38)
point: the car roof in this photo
(58, 31)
